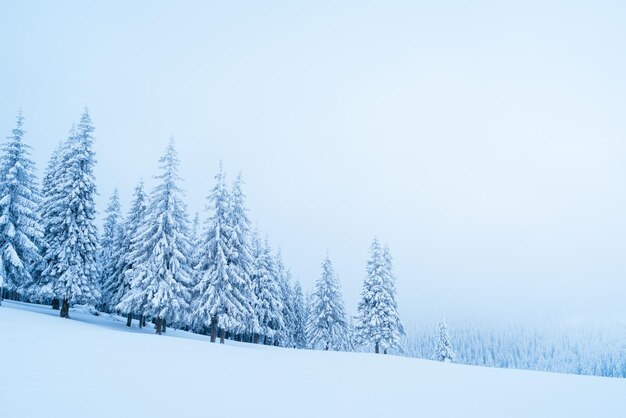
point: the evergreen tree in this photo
(223, 288)
(111, 244)
(131, 252)
(443, 350)
(269, 304)
(286, 335)
(21, 231)
(393, 330)
(326, 323)
(378, 322)
(42, 288)
(71, 257)
(161, 279)
(300, 315)
(241, 260)
(194, 255)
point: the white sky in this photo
(485, 143)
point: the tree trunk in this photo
(143, 321)
(385, 351)
(376, 348)
(255, 338)
(164, 326)
(157, 325)
(65, 309)
(222, 335)
(327, 347)
(129, 319)
(55, 303)
(213, 329)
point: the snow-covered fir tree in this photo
(283, 276)
(378, 323)
(42, 288)
(300, 316)
(443, 350)
(326, 324)
(393, 330)
(241, 259)
(223, 292)
(72, 249)
(21, 231)
(111, 250)
(162, 276)
(269, 303)
(131, 250)
(195, 238)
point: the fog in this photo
(485, 144)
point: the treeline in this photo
(218, 277)
(555, 344)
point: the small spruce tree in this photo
(327, 325)
(443, 350)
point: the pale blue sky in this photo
(485, 142)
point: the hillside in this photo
(96, 367)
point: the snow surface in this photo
(93, 366)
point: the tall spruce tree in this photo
(378, 321)
(326, 325)
(21, 231)
(300, 316)
(223, 289)
(132, 251)
(393, 330)
(161, 280)
(443, 350)
(111, 249)
(283, 276)
(71, 255)
(42, 288)
(241, 260)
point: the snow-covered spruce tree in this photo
(378, 322)
(283, 275)
(131, 251)
(443, 350)
(21, 231)
(269, 304)
(194, 257)
(241, 259)
(300, 315)
(393, 330)
(42, 288)
(71, 257)
(111, 249)
(326, 324)
(162, 277)
(223, 294)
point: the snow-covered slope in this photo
(95, 367)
